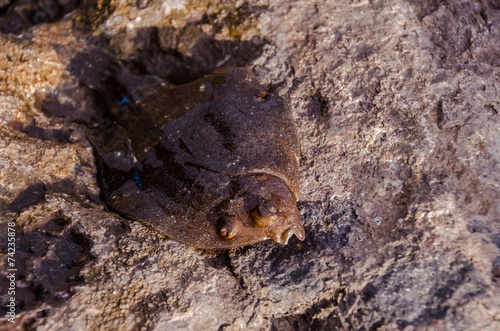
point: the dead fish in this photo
(212, 164)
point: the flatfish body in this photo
(212, 164)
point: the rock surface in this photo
(396, 104)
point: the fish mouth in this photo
(288, 233)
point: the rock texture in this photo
(396, 104)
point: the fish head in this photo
(261, 207)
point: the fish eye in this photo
(264, 214)
(228, 226)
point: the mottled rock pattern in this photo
(397, 107)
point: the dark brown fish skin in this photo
(196, 161)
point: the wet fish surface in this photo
(212, 163)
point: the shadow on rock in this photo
(49, 257)
(17, 15)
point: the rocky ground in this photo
(396, 105)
